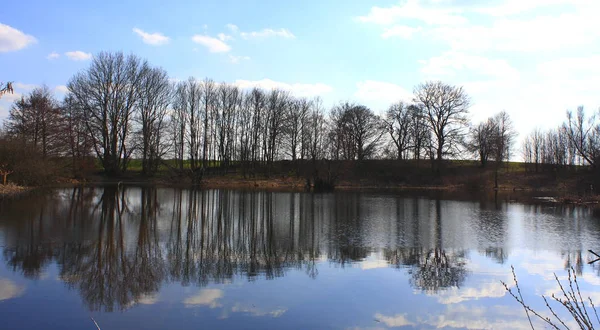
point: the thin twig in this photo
(96, 323)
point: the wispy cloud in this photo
(296, 89)
(232, 27)
(78, 55)
(401, 31)
(265, 33)
(9, 290)
(12, 39)
(413, 9)
(61, 89)
(237, 59)
(451, 62)
(213, 45)
(154, 39)
(53, 56)
(381, 92)
(224, 37)
(205, 297)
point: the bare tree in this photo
(584, 136)
(297, 112)
(277, 103)
(229, 104)
(209, 97)
(356, 131)
(482, 140)
(316, 126)
(446, 108)
(153, 98)
(6, 88)
(179, 124)
(36, 121)
(76, 136)
(503, 139)
(397, 124)
(193, 99)
(419, 130)
(107, 92)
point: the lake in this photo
(163, 258)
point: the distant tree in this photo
(228, 109)
(276, 109)
(6, 88)
(153, 98)
(297, 112)
(419, 130)
(356, 131)
(208, 98)
(316, 130)
(179, 124)
(446, 108)
(397, 123)
(502, 141)
(108, 91)
(76, 136)
(481, 140)
(584, 136)
(36, 120)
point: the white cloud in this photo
(232, 27)
(147, 299)
(78, 55)
(571, 68)
(541, 33)
(154, 39)
(214, 45)
(206, 297)
(373, 264)
(239, 308)
(9, 290)
(398, 320)
(12, 39)
(513, 7)
(450, 63)
(53, 55)
(296, 89)
(413, 9)
(401, 31)
(381, 92)
(237, 59)
(26, 87)
(479, 317)
(224, 37)
(11, 97)
(491, 289)
(61, 89)
(265, 33)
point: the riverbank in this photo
(12, 190)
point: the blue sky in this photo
(533, 58)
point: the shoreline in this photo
(537, 194)
(11, 190)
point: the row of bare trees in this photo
(121, 107)
(575, 142)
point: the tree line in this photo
(122, 108)
(575, 142)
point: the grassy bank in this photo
(12, 190)
(568, 183)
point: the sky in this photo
(532, 58)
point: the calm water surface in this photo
(152, 258)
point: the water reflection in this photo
(118, 247)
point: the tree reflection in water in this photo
(118, 246)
